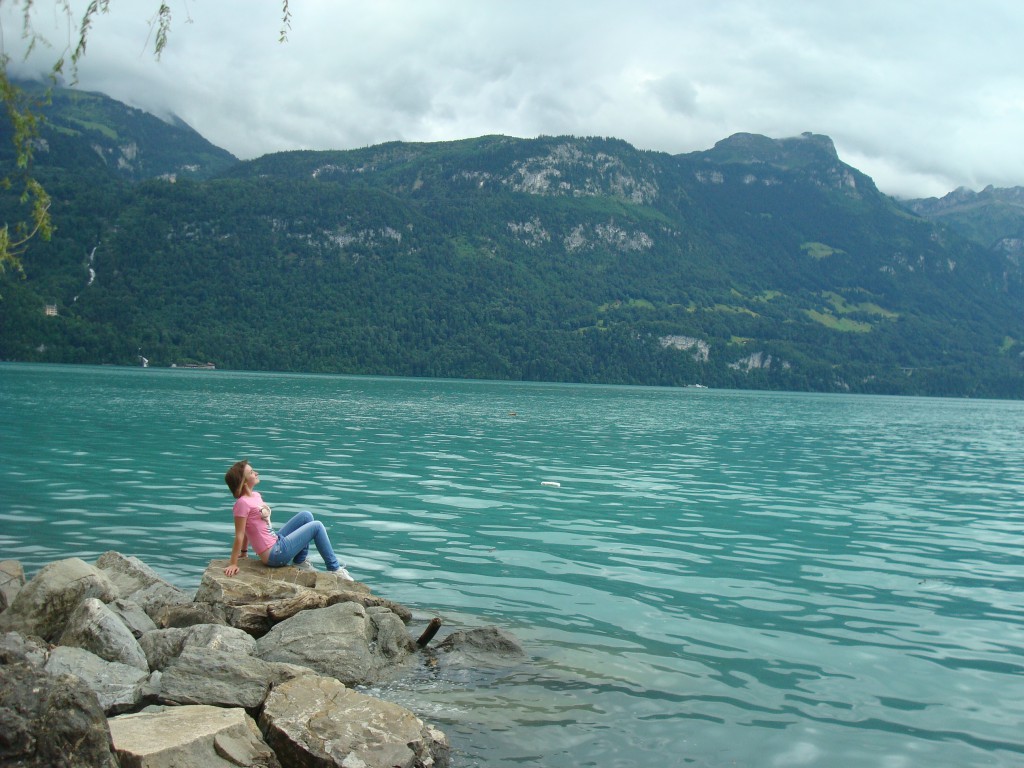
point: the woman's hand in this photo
(231, 570)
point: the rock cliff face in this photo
(812, 156)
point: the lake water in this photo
(721, 579)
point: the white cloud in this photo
(922, 96)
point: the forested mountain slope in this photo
(993, 218)
(758, 263)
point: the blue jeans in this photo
(293, 539)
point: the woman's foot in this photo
(341, 572)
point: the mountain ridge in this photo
(134, 144)
(761, 263)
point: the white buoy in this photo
(550, 484)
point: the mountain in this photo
(87, 130)
(759, 263)
(993, 218)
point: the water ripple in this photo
(720, 578)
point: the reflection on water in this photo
(722, 578)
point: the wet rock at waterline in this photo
(106, 659)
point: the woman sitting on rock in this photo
(252, 525)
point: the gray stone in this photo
(12, 579)
(309, 621)
(16, 647)
(316, 721)
(358, 646)
(118, 687)
(48, 721)
(96, 628)
(132, 616)
(259, 597)
(129, 574)
(157, 597)
(475, 656)
(222, 678)
(484, 642)
(161, 646)
(45, 603)
(139, 583)
(211, 737)
(190, 614)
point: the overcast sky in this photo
(922, 95)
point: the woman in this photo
(252, 525)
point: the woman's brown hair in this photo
(235, 477)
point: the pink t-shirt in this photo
(257, 521)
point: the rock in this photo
(254, 582)
(356, 645)
(118, 687)
(259, 597)
(156, 597)
(48, 721)
(484, 642)
(129, 574)
(43, 605)
(12, 579)
(96, 628)
(15, 647)
(132, 616)
(476, 656)
(210, 737)
(221, 678)
(138, 582)
(105, 618)
(161, 646)
(190, 614)
(316, 721)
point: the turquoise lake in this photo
(721, 578)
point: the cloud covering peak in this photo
(923, 97)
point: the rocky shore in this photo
(107, 664)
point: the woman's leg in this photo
(302, 518)
(284, 543)
(293, 543)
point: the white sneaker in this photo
(343, 574)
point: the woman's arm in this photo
(239, 544)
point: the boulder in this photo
(12, 579)
(356, 645)
(202, 675)
(118, 687)
(132, 616)
(45, 603)
(16, 647)
(317, 721)
(129, 574)
(475, 657)
(156, 597)
(210, 737)
(190, 614)
(48, 721)
(96, 628)
(259, 597)
(138, 582)
(161, 646)
(485, 643)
